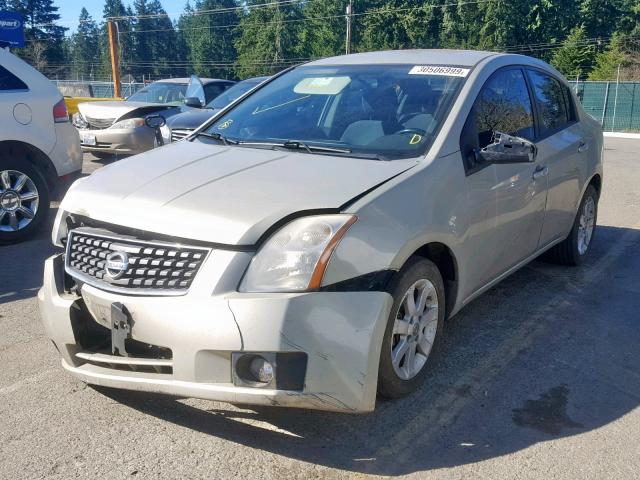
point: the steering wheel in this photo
(417, 131)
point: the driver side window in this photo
(504, 106)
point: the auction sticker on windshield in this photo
(439, 70)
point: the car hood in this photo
(227, 195)
(116, 110)
(191, 119)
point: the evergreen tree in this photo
(608, 61)
(576, 55)
(210, 38)
(324, 30)
(84, 51)
(267, 38)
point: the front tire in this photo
(24, 200)
(574, 249)
(413, 330)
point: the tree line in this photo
(585, 39)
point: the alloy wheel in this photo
(19, 199)
(414, 329)
(586, 224)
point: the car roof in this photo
(185, 81)
(466, 58)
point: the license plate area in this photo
(89, 140)
(120, 329)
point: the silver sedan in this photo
(306, 245)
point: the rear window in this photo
(551, 102)
(8, 81)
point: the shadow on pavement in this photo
(551, 352)
(22, 263)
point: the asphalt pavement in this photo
(538, 378)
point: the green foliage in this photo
(209, 39)
(576, 56)
(228, 38)
(83, 47)
(608, 62)
(268, 36)
(324, 31)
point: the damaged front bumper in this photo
(189, 345)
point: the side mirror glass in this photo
(155, 121)
(507, 149)
(193, 102)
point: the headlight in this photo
(165, 131)
(79, 121)
(128, 124)
(295, 257)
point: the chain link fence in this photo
(616, 105)
(96, 89)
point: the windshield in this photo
(391, 111)
(232, 93)
(160, 92)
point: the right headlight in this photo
(295, 257)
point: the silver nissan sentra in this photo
(305, 246)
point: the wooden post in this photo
(113, 50)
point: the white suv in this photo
(39, 148)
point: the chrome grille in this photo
(153, 267)
(180, 133)
(100, 123)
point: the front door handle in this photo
(540, 172)
(583, 147)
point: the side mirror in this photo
(155, 121)
(507, 149)
(193, 102)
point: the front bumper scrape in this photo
(340, 332)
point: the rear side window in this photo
(8, 81)
(212, 90)
(503, 105)
(551, 102)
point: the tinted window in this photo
(503, 106)
(212, 90)
(550, 99)
(8, 81)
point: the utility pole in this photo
(115, 64)
(348, 17)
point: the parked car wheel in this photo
(573, 250)
(24, 200)
(413, 330)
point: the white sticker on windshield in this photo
(439, 70)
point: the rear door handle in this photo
(583, 147)
(540, 172)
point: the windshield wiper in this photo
(217, 136)
(296, 145)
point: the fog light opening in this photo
(261, 370)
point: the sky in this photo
(69, 10)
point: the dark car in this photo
(181, 125)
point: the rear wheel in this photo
(573, 250)
(24, 200)
(413, 330)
